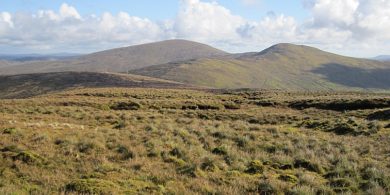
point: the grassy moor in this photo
(177, 141)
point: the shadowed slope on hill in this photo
(355, 77)
(21, 86)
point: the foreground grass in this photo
(150, 141)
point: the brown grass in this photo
(188, 142)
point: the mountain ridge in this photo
(281, 66)
(123, 59)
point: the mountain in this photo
(5, 63)
(282, 66)
(27, 85)
(37, 57)
(123, 59)
(383, 58)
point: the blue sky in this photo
(162, 10)
(349, 27)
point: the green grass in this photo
(283, 66)
(165, 141)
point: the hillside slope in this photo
(5, 63)
(122, 59)
(282, 66)
(27, 85)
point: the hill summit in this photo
(122, 59)
(282, 66)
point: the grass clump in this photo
(232, 106)
(92, 186)
(177, 152)
(209, 107)
(344, 129)
(220, 150)
(30, 158)
(86, 147)
(125, 153)
(208, 165)
(10, 131)
(255, 167)
(308, 165)
(266, 188)
(189, 170)
(342, 185)
(288, 178)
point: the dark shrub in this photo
(189, 170)
(125, 106)
(342, 185)
(208, 165)
(85, 147)
(125, 153)
(177, 152)
(189, 107)
(208, 107)
(266, 103)
(380, 115)
(265, 188)
(120, 124)
(303, 163)
(219, 135)
(221, 150)
(344, 129)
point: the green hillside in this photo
(283, 66)
(121, 59)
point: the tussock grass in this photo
(155, 141)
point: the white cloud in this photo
(334, 12)
(206, 21)
(352, 26)
(67, 11)
(5, 23)
(6, 17)
(66, 30)
(351, 23)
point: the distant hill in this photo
(383, 58)
(27, 85)
(282, 66)
(5, 63)
(123, 59)
(37, 57)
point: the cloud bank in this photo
(352, 27)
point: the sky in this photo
(359, 28)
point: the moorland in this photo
(185, 141)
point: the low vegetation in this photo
(162, 141)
